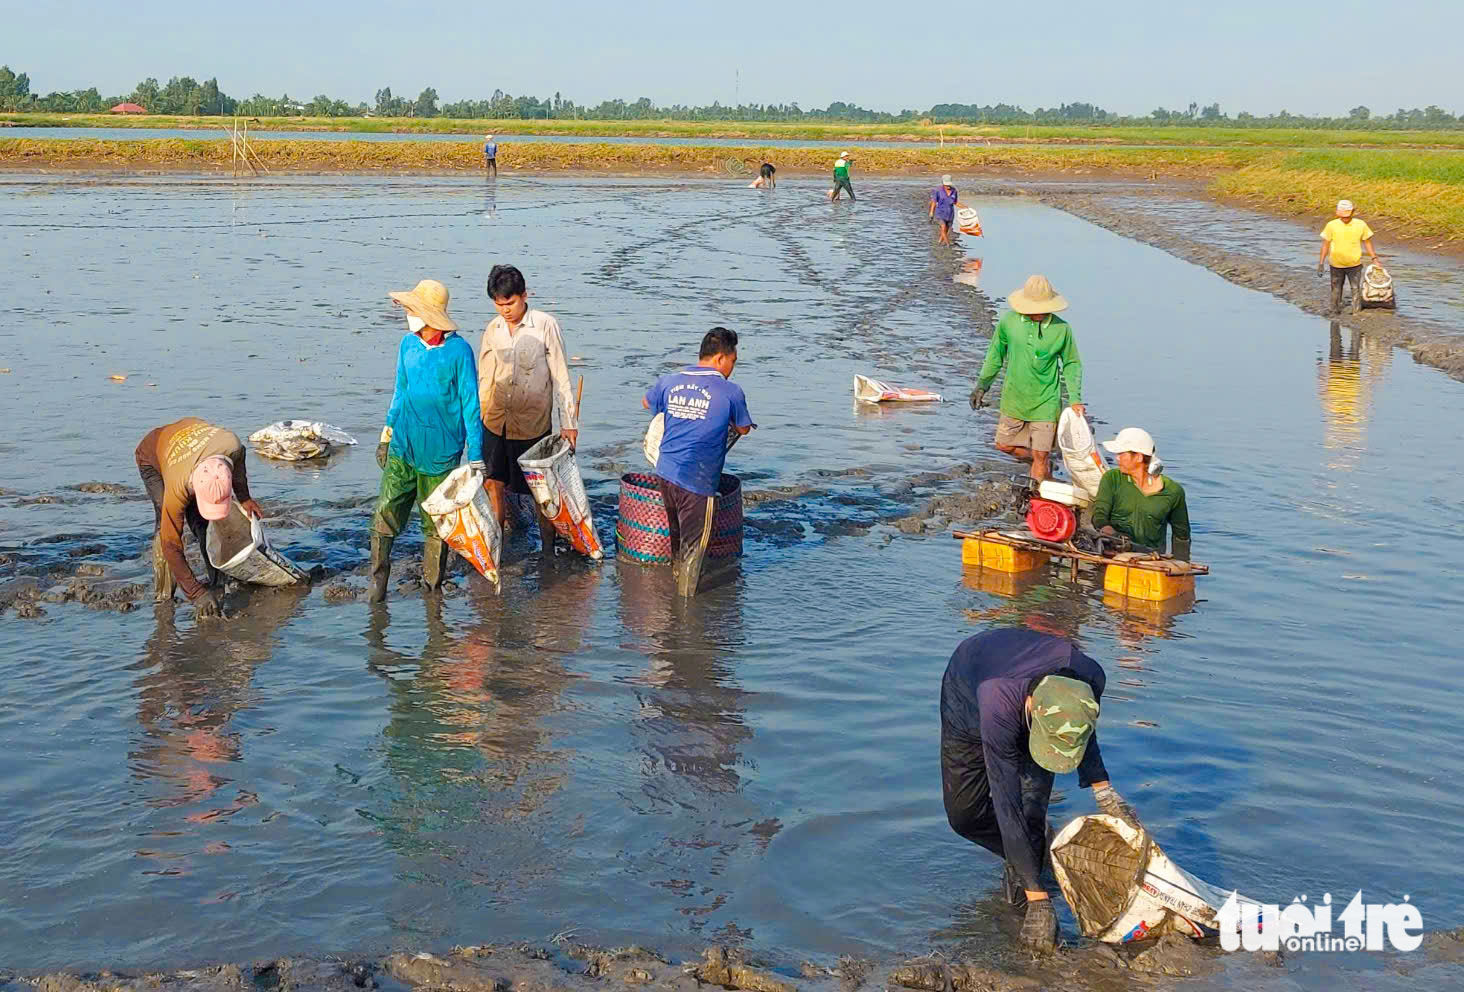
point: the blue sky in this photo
(1126, 55)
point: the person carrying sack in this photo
(432, 420)
(191, 470)
(1343, 240)
(700, 405)
(522, 376)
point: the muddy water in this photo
(757, 768)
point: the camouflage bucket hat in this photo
(1064, 713)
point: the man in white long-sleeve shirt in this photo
(522, 378)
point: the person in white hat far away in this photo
(1036, 346)
(490, 156)
(943, 207)
(1343, 239)
(1137, 500)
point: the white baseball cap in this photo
(945, 180)
(1344, 206)
(1131, 439)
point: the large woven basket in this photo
(644, 535)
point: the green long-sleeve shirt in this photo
(1142, 517)
(1033, 354)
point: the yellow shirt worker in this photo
(1343, 238)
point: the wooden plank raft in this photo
(1139, 575)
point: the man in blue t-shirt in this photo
(702, 410)
(490, 155)
(943, 207)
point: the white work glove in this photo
(480, 467)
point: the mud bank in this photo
(1430, 343)
(561, 965)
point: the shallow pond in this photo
(759, 767)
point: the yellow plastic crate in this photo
(1000, 557)
(1143, 583)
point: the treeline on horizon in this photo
(185, 96)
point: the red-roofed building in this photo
(128, 108)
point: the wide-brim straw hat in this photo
(427, 301)
(1037, 296)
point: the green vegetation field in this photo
(1185, 135)
(1418, 193)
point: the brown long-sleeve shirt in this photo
(522, 376)
(173, 451)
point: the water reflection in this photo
(1140, 619)
(194, 683)
(691, 729)
(469, 710)
(1346, 380)
(1034, 599)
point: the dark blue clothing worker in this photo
(1016, 707)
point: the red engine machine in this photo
(1051, 509)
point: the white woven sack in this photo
(1085, 465)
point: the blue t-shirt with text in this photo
(699, 405)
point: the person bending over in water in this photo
(1133, 502)
(766, 176)
(432, 421)
(191, 470)
(1017, 707)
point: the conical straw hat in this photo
(1037, 296)
(429, 302)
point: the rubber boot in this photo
(688, 576)
(546, 537)
(163, 584)
(380, 567)
(434, 563)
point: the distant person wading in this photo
(1343, 240)
(490, 156)
(841, 177)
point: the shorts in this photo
(1036, 435)
(501, 455)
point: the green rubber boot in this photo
(434, 563)
(380, 566)
(163, 584)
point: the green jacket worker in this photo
(1037, 347)
(1131, 501)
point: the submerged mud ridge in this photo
(1430, 343)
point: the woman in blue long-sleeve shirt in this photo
(433, 418)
